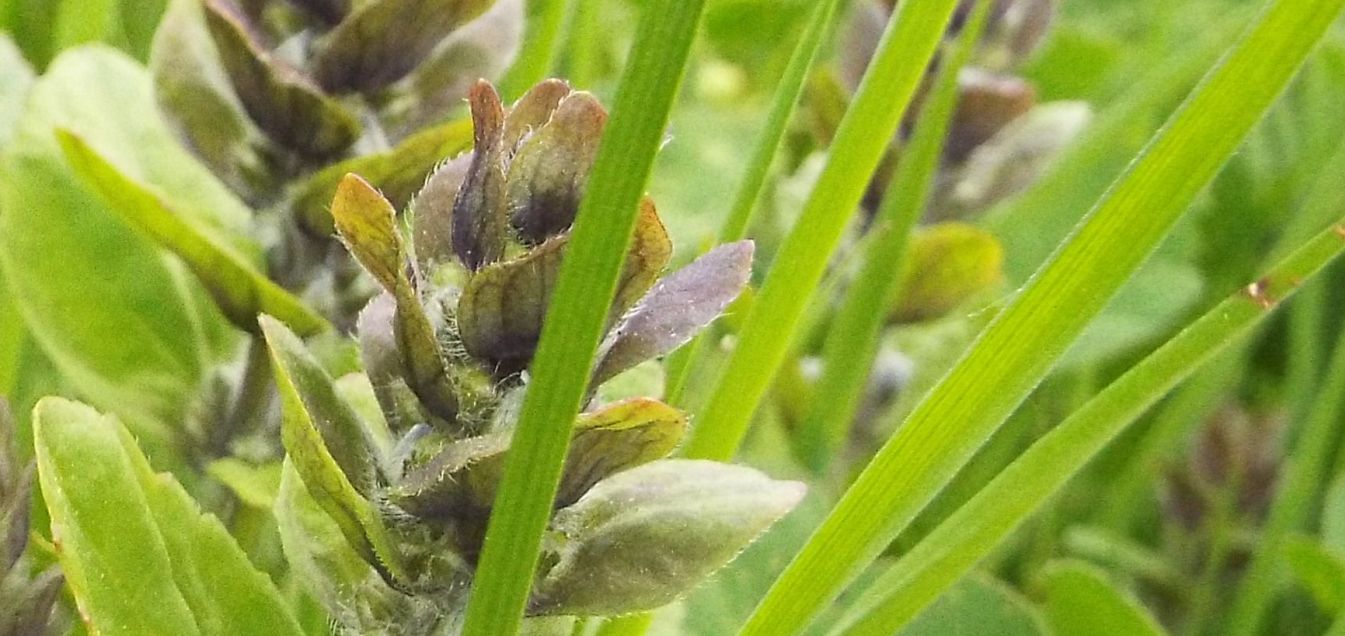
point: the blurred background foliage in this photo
(1154, 536)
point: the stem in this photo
(249, 402)
(852, 342)
(909, 43)
(577, 314)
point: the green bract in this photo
(447, 345)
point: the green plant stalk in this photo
(541, 46)
(749, 192)
(852, 342)
(584, 38)
(577, 315)
(1022, 343)
(1033, 479)
(906, 49)
(1306, 468)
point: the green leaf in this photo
(17, 77)
(255, 486)
(330, 448)
(873, 117)
(239, 290)
(1024, 341)
(978, 605)
(645, 536)
(950, 262)
(324, 562)
(1038, 473)
(367, 223)
(130, 539)
(383, 40)
(145, 351)
(1080, 600)
(398, 173)
(1319, 569)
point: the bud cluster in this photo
(269, 92)
(446, 347)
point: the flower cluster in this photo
(267, 93)
(407, 482)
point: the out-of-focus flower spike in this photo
(382, 41)
(283, 102)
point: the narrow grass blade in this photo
(1020, 346)
(545, 21)
(1033, 479)
(873, 116)
(852, 342)
(748, 197)
(1307, 468)
(578, 311)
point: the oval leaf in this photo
(130, 539)
(239, 290)
(643, 537)
(676, 308)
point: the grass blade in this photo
(681, 365)
(543, 24)
(852, 342)
(576, 317)
(1033, 479)
(909, 43)
(1023, 342)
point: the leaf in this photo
(1080, 600)
(383, 40)
(650, 251)
(1319, 569)
(329, 447)
(465, 475)
(145, 352)
(280, 99)
(255, 486)
(615, 438)
(501, 309)
(949, 263)
(324, 562)
(195, 94)
(643, 537)
(130, 539)
(17, 77)
(676, 308)
(399, 173)
(548, 174)
(432, 215)
(367, 223)
(978, 605)
(533, 110)
(239, 290)
(480, 227)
